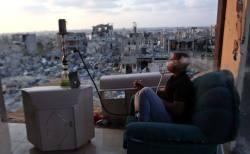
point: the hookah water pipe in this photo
(62, 32)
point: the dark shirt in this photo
(180, 89)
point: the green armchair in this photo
(215, 121)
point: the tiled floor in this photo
(13, 141)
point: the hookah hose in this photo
(162, 74)
(99, 95)
(159, 83)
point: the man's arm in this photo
(138, 85)
(176, 107)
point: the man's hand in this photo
(137, 85)
(162, 93)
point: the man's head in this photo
(178, 62)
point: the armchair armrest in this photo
(164, 132)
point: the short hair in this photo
(179, 55)
(183, 58)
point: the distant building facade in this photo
(102, 31)
(26, 42)
(75, 41)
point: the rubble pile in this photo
(19, 69)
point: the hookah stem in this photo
(63, 48)
(64, 76)
(64, 59)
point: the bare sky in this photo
(43, 15)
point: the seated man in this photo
(174, 103)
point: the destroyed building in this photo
(141, 48)
(148, 46)
(104, 39)
(73, 41)
(105, 47)
(102, 30)
(25, 42)
(194, 39)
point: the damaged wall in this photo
(233, 35)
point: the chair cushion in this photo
(165, 133)
(215, 107)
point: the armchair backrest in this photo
(216, 106)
